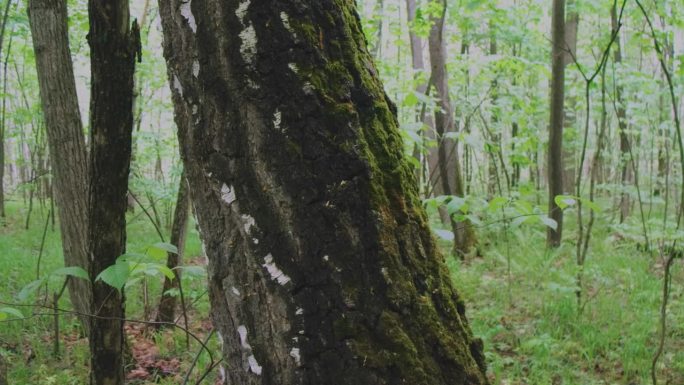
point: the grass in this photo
(528, 320)
(530, 323)
(27, 344)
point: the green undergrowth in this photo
(27, 345)
(529, 318)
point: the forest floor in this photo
(521, 301)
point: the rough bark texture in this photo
(113, 46)
(167, 305)
(449, 167)
(555, 150)
(66, 140)
(626, 177)
(322, 268)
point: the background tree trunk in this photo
(449, 167)
(555, 151)
(113, 46)
(570, 108)
(626, 175)
(322, 268)
(167, 305)
(66, 141)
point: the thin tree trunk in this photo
(555, 150)
(66, 141)
(570, 108)
(167, 304)
(3, 28)
(626, 174)
(322, 269)
(449, 166)
(113, 47)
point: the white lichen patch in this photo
(308, 88)
(204, 252)
(286, 22)
(326, 258)
(277, 119)
(228, 194)
(186, 12)
(294, 353)
(177, 85)
(248, 222)
(242, 331)
(299, 311)
(241, 11)
(254, 365)
(195, 68)
(248, 47)
(235, 291)
(275, 272)
(195, 110)
(255, 241)
(293, 67)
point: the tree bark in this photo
(167, 305)
(570, 110)
(449, 166)
(555, 151)
(3, 29)
(626, 177)
(49, 29)
(322, 269)
(113, 47)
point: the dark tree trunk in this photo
(167, 305)
(449, 167)
(555, 150)
(66, 141)
(113, 46)
(322, 269)
(626, 176)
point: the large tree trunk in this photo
(113, 46)
(555, 151)
(66, 141)
(322, 269)
(449, 167)
(167, 304)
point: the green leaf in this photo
(29, 289)
(115, 275)
(73, 271)
(457, 205)
(497, 203)
(410, 100)
(193, 271)
(166, 247)
(564, 201)
(549, 222)
(592, 205)
(5, 311)
(444, 234)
